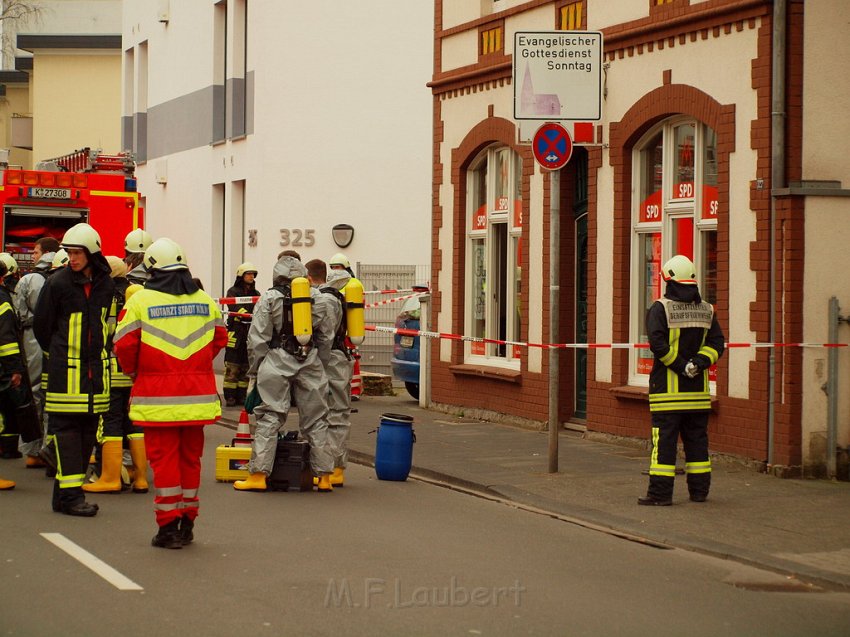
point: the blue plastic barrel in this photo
(394, 447)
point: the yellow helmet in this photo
(165, 254)
(680, 269)
(245, 268)
(82, 236)
(339, 259)
(137, 241)
(9, 261)
(60, 259)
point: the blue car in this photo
(405, 361)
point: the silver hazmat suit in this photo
(282, 377)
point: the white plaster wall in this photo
(604, 13)
(70, 17)
(539, 19)
(457, 12)
(459, 50)
(342, 128)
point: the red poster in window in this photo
(709, 202)
(644, 365)
(517, 214)
(683, 190)
(517, 352)
(477, 348)
(684, 241)
(650, 209)
(479, 219)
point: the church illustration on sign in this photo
(532, 103)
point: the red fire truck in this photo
(85, 185)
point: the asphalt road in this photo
(377, 557)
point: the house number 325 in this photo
(297, 238)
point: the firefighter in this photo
(286, 368)
(238, 323)
(26, 298)
(686, 340)
(336, 358)
(70, 325)
(135, 244)
(10, 281)
(340, 262)
(167, 336)
(116, 426)
(11, 370)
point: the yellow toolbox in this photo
(231, 463)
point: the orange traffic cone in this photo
(243, 432)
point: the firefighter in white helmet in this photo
(70, 325)
(10, 281)
(238, 322)
(168, 335)
(286, 365)
(135, 244)
(685, 339)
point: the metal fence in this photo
(377, 348)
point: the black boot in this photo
(186, 534)
(655, 502)
(9, 448)
(169, 536)
(72, 502)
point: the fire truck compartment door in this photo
(56, 213)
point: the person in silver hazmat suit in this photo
(284, 371)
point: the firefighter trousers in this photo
(692, 426)
(175, 454)
(74, 437)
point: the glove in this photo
(691, 369)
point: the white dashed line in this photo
(90, 561)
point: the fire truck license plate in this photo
(50, 193)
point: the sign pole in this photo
(554, 312)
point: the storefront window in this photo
(675, 212)
(494, 244)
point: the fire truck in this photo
(85, 185)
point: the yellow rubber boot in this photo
(324, 484)
(338, 477)
(254, 482)
(5, 485)
(111, 456)
(140, 465)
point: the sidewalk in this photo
(796, 527)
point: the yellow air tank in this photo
(302, 322)
(355, 316)
(131, 290)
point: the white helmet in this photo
(680, 269)
(245, 268)
(10, 262)
(82, 236)
(339, 259)
(60, 259)
(137, 241)
(165, 254)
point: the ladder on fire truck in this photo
(87, 160)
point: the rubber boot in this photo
(254, 482)
(186, 530)
(110, 475)
(35, 462)
(338, 477)
(168, 536)
(140, 465)
(324, 485)
(5, 485)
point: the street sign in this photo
(557, 75)
(552, 146)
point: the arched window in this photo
(494, 249)
(674, 211)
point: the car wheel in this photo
(413, 389)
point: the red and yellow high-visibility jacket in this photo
(168, 342)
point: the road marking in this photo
(88, 560)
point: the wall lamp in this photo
(343, 234)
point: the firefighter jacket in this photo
(681, 328)
(168, 341)
(70, 325)
(10, 351)
(117, 376)
(238, 324)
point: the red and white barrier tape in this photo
(238, 300)
(395, 300)
(475, 339)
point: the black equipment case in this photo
(291, 470)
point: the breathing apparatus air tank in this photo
(354, 313)
(302, 321)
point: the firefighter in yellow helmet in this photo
(135, 244)
(685, 339)
(238, 324)
(70, 325)
(168, 335)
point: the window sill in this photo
(492, 373)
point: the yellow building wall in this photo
(76, 100)
(16, 101)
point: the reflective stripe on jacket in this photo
(169, 343)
